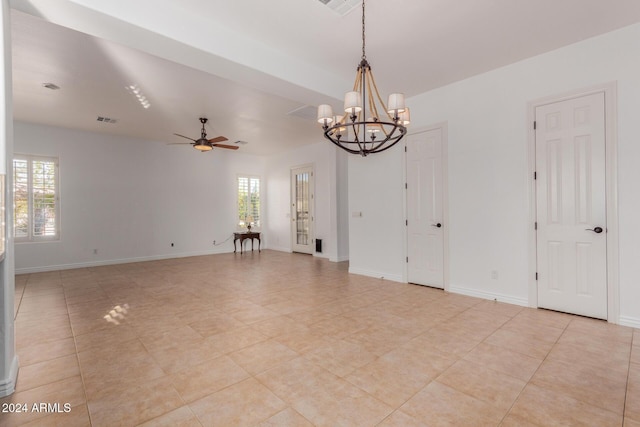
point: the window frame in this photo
(240, 223)
(30, 237)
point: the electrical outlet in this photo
(494, 274)
(172, 244)
(214, 242)
(95, 252)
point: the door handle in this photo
(436, 225)
(597, 230)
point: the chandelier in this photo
(368, 125)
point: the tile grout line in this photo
(443, 321)
(626, 388)
(55, 358)
(534, 373)
(75, 344)
(470, 350)
(24, 288)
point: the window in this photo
(35, 198)
(248, 201)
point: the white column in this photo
(8, 358)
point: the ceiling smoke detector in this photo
(106, 119)
(341, 7)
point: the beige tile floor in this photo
(275, 339)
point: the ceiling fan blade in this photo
(218, 139)
(177, 134)
(180, 143)
(230, 147)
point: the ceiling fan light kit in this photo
(203, 144)
(368, 125)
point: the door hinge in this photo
(406, 186)
(535, 125)
(536, 275)
(535, 175)
(407, 259)
(406, 222)
(405, 148)
(535, 225)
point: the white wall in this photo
(323, 156)
(130, 199)
(488, 193)
(8, 357)
(341, 209)
(376, 238)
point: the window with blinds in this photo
(35, 198)
(248, 201)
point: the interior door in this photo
(425, 223)
(302, 210)
(571, 206)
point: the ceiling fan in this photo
(203, 144)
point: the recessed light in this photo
(51, 86)
(137, 92)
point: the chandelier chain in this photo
(364, 56)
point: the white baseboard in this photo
(280, 249)
(8, 384)
(632, 322)
(57, 267)
(489, 295)
(339, 259)
(377, 274)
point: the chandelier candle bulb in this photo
(372, 126)
(352, 103)
(395, 104)
(325, 114)
(405, 117)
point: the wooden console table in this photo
(244, 235)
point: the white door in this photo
(571, 206)
(425, 223)
(302, 210)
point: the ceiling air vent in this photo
(51, 86)
(341, 7)
(106, 119)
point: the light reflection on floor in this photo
(116, 314)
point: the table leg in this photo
(259, 244)
(234, 245)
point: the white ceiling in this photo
(246, 64)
